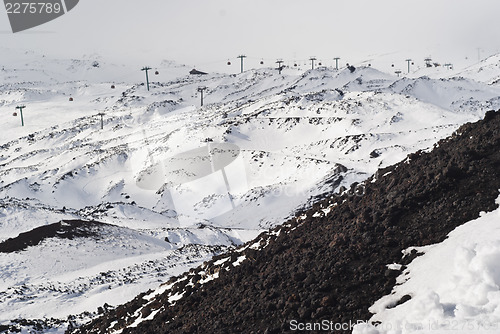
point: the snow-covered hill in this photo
(288, 136)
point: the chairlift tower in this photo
(241, 59)
(146, 68)
(336, 62)
(102, 119)
(312, 59)
(21, 107)
(398, 72)
(279, 62)
(428, 61)
(408, 61)
(201, 90)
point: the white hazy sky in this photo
(208, 32)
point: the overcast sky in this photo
(208, 32)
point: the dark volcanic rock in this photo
(333, 267)
(66, 229)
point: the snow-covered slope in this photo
(486, 71)
(288, 134)
(337, 258)
(452, 286)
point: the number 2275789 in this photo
(33, 8)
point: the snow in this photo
(175, 297)
(209, 278)
(394, 266)
(239, 260)
(221, 261)
(291, 132)
(454, 286)
(77, 269)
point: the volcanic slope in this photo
(330, 262)
(300, 137)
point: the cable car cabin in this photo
(71, 99)
(14, 114)
(319, 64)
(112, 86)
(295, 65)
(262, 62)
(229, 63)
(156, 73)
(392, 65)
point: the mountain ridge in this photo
(330, 262)
(301, 135)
